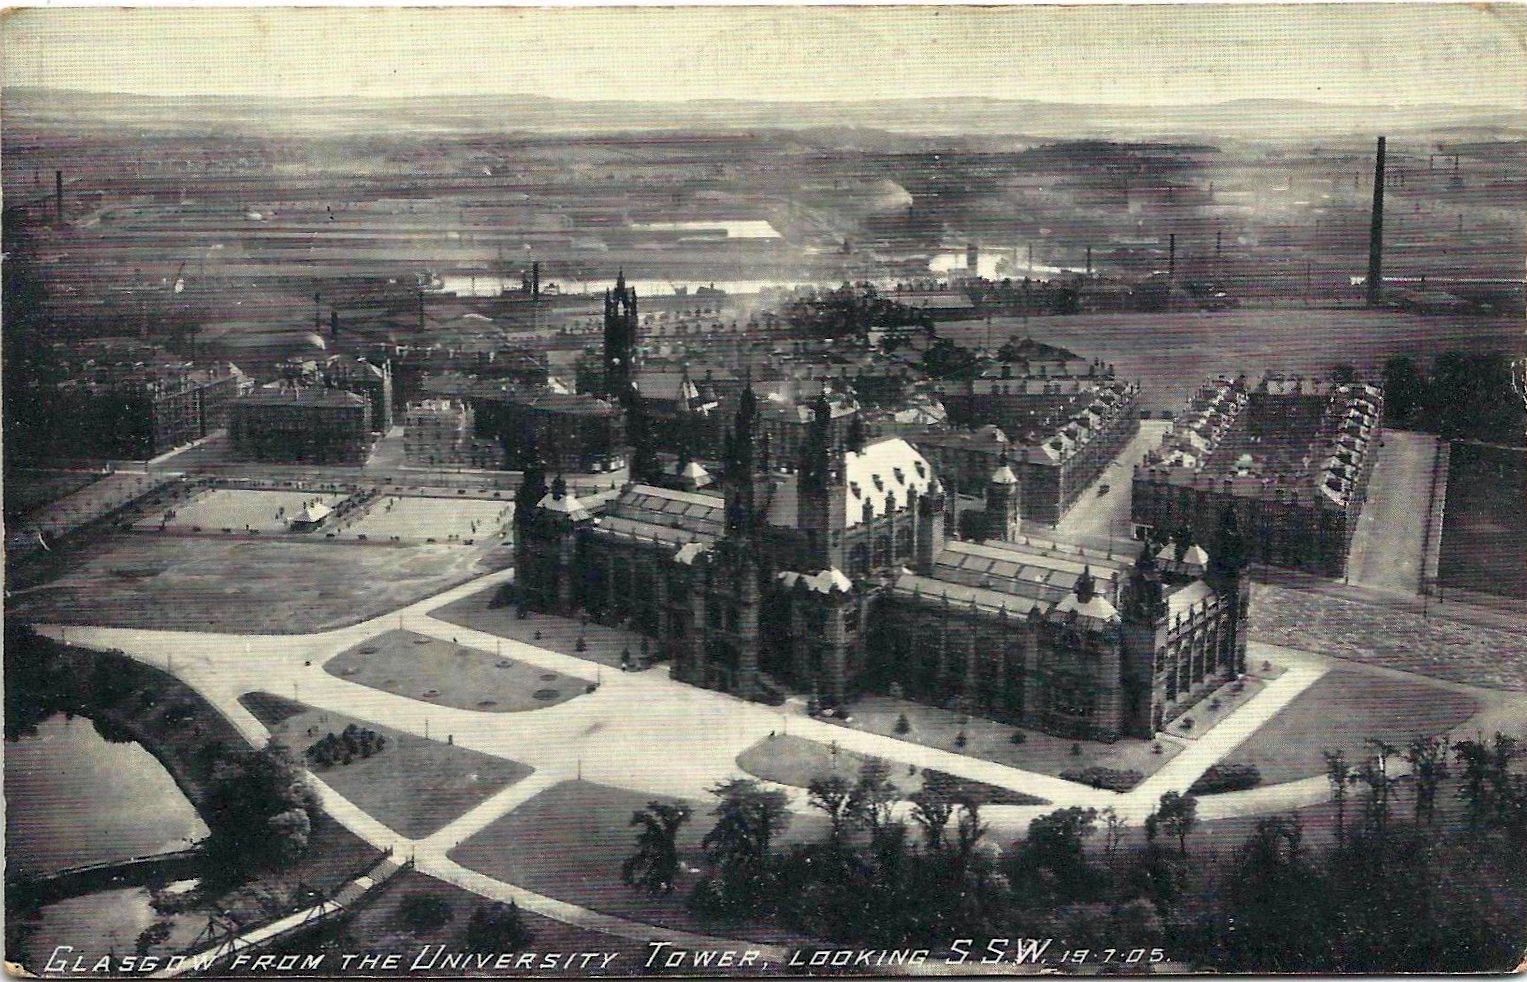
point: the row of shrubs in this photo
(1106, 778)
(1227, 777)
(347, 746)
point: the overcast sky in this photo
(1384, 54)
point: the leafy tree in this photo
(944, 359)
(833, 796)
(932, 807)
(421, 912)
(1374, 772)
(497, 927)
(740, 845)
(655, 865)
(1427, 756)
(1404, 389)
(288, 835)
(1051, 862)
(1274, 918)
(1113, 827)
(249, 804)
(1338, 773)
(969, 830)
(156, 933)
(874, 796)
(1177, 816)
(1474, 788)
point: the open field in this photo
(791, 760)
(437, 519)
(409, 664)
(1484, 529)
(219, 509)
(1394, 638)
(1171, 353)
(603, 645)
(990, 740)
(568, 842)
(242, 586)
(413, 786)
(1341, 710)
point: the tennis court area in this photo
(217, 509)
(422, 519)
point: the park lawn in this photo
(1341, 710)
(603, 645)
(1390, 637)
(377, 927)
(797, 762)
(1205, 718)
(241, 586)
(569, 841)
(409, 664)
(414, 786)
(990, 740)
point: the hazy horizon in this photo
(1397, 55)
(867, 100)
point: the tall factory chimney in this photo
(1376, 231)
(972, 258)
(1171, 257)
(58, 196)
(1089, 260)
(535, 280)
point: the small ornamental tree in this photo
(497, 927)
(419, 912)
(654, 867)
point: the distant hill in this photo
(1038, 120)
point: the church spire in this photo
(1086, 586)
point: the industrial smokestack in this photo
(58, 196)
(1376, 231)
(1089, 260)
(972, 258)
(535, 280)
(1171, 257)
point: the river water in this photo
(72, 798)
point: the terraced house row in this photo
(1290, 457)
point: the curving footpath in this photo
(639, 731)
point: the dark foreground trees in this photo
(497, 927)
(1435, 885)
(260, 808)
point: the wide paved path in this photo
(1107, 515)
(1388, 548)
(640, 731)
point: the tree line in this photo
(1397, 889)
(1463, 396)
